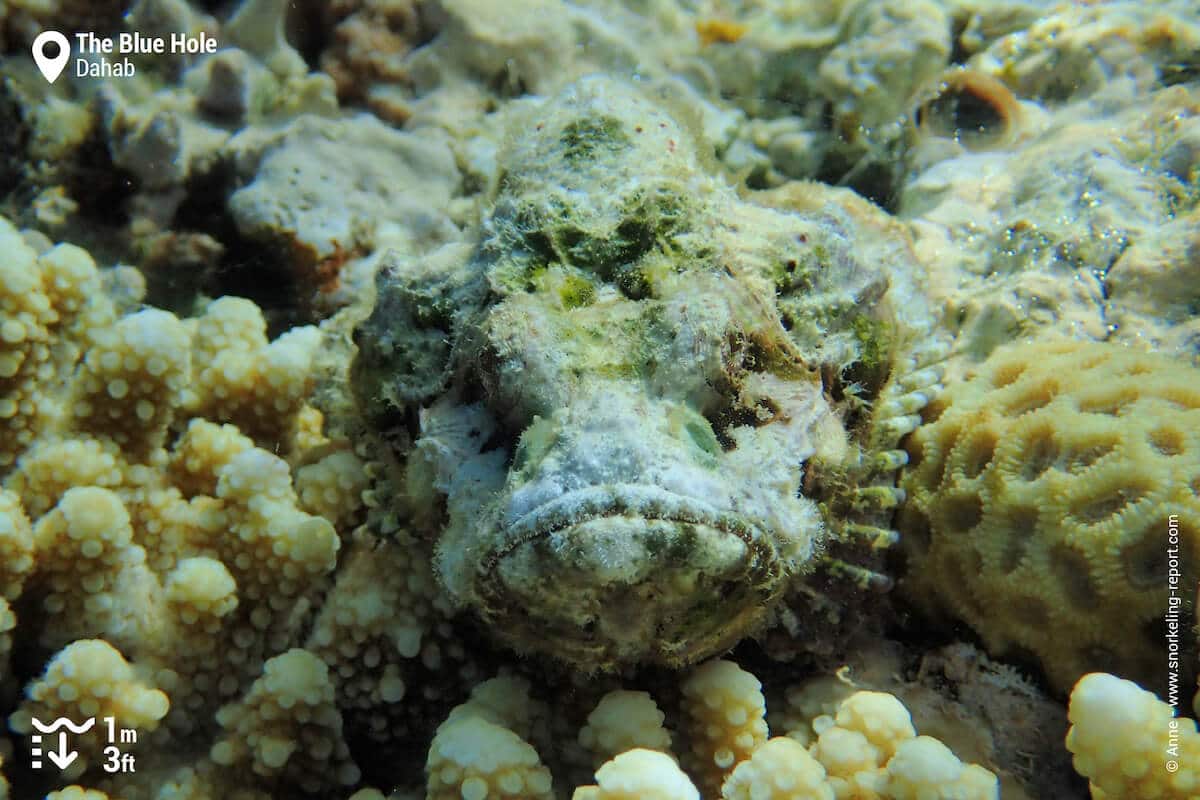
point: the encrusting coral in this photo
(1042, 495)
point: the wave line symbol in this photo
(63, 722)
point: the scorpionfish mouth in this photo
(618, 540)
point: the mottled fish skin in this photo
(619, 387)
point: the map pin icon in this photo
(51, 67)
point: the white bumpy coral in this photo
(726, 718)
(1129, 744)
(639, 775)
(288, 724)
(87, 679)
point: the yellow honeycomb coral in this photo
(1043, 495)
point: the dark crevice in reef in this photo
(252, 270)
(958, 52)
(102, 192)
(27, 661)
(88, 175)
(173, 285)
(102, 189)
(1186, 70)
(245, 267)
(869, 177)
(310, 31)
(430, 692)
(218, 8)
(19, 26)
(200, 251)
(921, 634)
(14, 138)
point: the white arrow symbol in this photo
(63, 758)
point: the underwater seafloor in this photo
(597, 399)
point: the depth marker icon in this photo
(62, 757)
